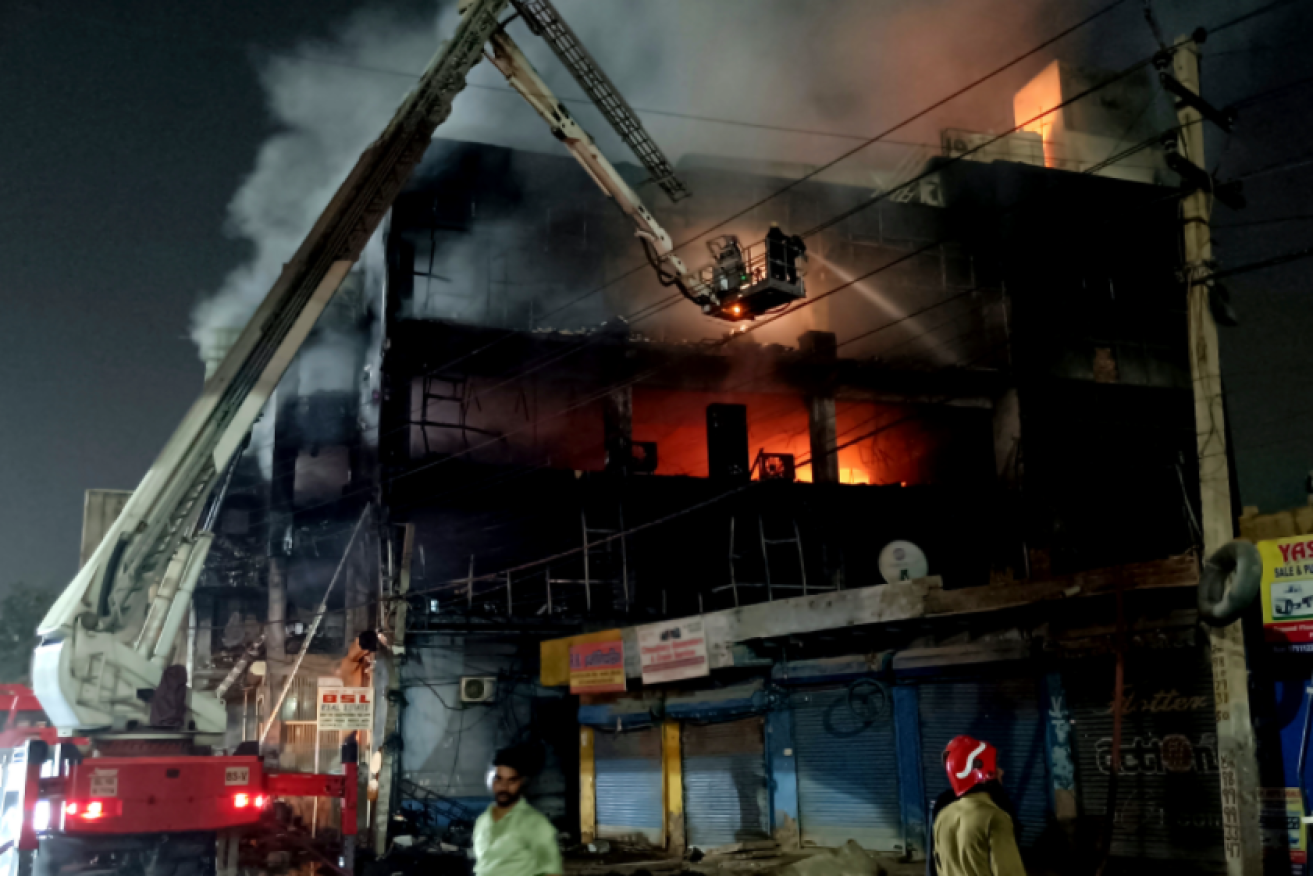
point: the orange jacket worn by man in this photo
(973, 831)
(355, 668)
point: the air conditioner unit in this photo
(478, 688)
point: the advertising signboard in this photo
(1288, 593)
(346, 708)
(673, 650)
(597, 667)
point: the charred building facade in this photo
(984, 374)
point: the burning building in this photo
(983, 404)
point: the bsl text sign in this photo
(346, 708)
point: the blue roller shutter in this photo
(847, 770)
(1005, 713)
(725, 796)
(629, 782)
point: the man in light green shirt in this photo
(511, 838)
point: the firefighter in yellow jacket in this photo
(973, 833)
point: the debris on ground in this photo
(848, 860)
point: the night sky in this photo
(127, 128)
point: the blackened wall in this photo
(1099, 345)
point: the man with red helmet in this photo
(972, 832)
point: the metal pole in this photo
(1237, 758)
(624, 554)
(392, 700)
(588, 587)
(314, 627)
(733, 579)
(314, 818)
(802, 560)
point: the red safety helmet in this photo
(970, 762)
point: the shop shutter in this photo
(1169, 804)
(847, 766)
(1004, 712)
(725, 795)
(629, 783)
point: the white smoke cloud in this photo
(844, 65)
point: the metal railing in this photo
(737, 268)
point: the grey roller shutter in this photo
(847, 770)
(725, 795)
(1006, 714)
(629, 783)
(1169, 793)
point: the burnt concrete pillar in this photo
(821, 417)
(282, 491)
(618, 428)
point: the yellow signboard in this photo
(555, 655)
(1288, 592)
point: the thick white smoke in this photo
(846, 65)
(849, 66)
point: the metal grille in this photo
(725, 796)
(847, 771)
(1169, 804)
(546, 22)
(629, 784)
(1005, 713)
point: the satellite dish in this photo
(903, 561)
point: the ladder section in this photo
(543, 19)
(446, 392)
(767, 560)
(595, 580)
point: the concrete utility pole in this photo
(1237, 754)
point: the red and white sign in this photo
(674, 650)
(346, 708)
(597, 667)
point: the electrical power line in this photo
(1274, 220)
(754, 327)
(675, 299)
(832, 291)
(1252, 14)
(794, 183)
(500, 574)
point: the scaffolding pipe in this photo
(314, 627)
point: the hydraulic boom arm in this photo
(112, 632)
(743, 282)
(510, 60)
